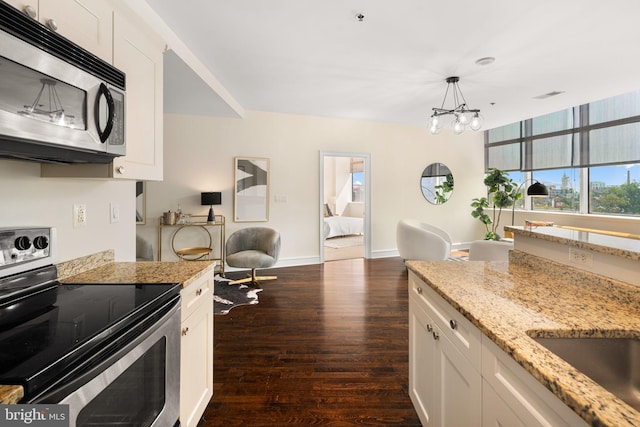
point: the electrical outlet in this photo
(581, 257)
(114, 213)
(79, 215)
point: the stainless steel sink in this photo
(614, 363)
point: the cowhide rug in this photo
(226, 297)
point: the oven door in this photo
(137, 386)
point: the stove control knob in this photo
(41, 242)
(23, 243)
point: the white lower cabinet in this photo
(529, 401)
(459, 377)
(445, 387)
(196, 350)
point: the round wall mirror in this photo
(436, 183)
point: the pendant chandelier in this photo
(462, 115)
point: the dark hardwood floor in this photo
(326, 345)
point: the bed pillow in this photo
(327, 210)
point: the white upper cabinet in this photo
(137, 50)
(139, 55)
(87, 23)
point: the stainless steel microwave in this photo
(58, 102)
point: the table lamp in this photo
(211, 198)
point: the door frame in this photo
(367, 198)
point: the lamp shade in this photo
(537, 190)
(211, 198)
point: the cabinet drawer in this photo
(460, 331)
(198, 292)
(529, 400)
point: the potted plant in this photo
(503, 192)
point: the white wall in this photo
(199, 153)
(26, 199)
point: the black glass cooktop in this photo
(34, 351)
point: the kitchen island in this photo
(511, 303)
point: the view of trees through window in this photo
(613, 190)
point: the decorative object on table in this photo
(209, 199)
(253, 247)
(436, 183)
(502, 192)
(463, 116)
(141, 203)
(227, 295)
(169, 218)
(251, 195)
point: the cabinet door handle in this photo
(436, 336)
(185, 331)
(199, 292)
(453, 324)
(429, 328)
(419, 290)
(52, 24)
(30, 11)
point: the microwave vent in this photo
(21, 26)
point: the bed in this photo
(335, 226)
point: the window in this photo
(357, 187)
(597, 142)
(564, 190)
(615, 190)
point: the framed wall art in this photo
(251, 195)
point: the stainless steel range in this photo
(109, 351)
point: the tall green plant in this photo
(503, 192)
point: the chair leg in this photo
(253, 278)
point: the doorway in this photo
(345, 205)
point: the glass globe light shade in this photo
(476, 122)
(435, 124)
(463, 118)
(458, 127)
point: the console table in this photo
(193, 253)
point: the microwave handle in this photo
(104, 91)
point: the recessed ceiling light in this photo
(360, 17)
(486, 60)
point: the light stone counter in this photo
(624, 247)
(532, 296)
(144, 272)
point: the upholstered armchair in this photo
(253, 247)
(421, 241)
(490, 250)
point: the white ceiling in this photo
(314, 57)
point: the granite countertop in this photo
(144, 272)
(100, 268)
(531, 296)
(627, 246)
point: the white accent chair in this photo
(421, 241)
(490, 250)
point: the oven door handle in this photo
(82, 389)
(103, 91)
